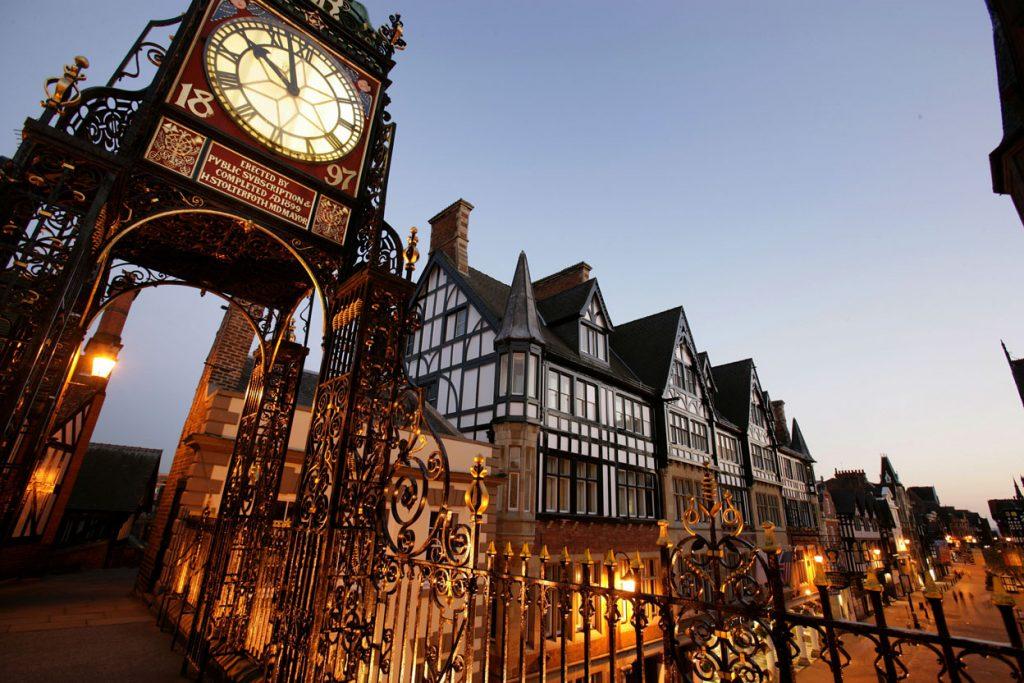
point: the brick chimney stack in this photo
(781, 426)
(230, 350)
(449, 233)
(567, 278)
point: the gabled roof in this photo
(568, 304)
(797, 443)
(557, 317)
(520, 316)
(732, 395)
(647, 344)
(852, 494)
(115, 479)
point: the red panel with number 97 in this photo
(260, 79)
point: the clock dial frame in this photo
(284, 90)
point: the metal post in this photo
(831, 639)
(780, 629)
(885, 650)
(952, 666)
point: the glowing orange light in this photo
(102, 366)
(819, 559)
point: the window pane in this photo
(503, 376)
(518, 373)
(531, 377)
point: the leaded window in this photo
(559, 391)
(699, 436)
(586, 400)
(678, 429)
(557, 484)
(728, 448)
(455, 323)
(637, 493)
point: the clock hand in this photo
(263, 55)
(293, 84)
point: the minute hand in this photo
(262, 54)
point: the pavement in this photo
(81, 627)
(969, 618)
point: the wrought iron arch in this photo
(122, 232)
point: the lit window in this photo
(518, 373)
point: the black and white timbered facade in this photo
(489, 354)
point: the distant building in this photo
(114, 487)
(1008, 514)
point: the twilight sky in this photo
(809, 179)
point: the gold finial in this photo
(412, 254)
(508, 550)
(565, 554)
(1000, 597)
(544, 554)
(663, 540)
(476, 497)
(821, 579)
(491, 550)
(609, 559)
(587, 559)
(930, 589)
(770, 545)
(636, 562)
(63, 92)
(525, 552)
(709, 487)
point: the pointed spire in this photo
(797, 442)
(520, 320)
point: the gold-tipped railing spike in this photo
(609, 559)
(871, 583)
(930, 589)
(491, 549)
(663, 539)
(544, 554)
(587, 559)
(508, 550)
(525, 552)
(565, 555)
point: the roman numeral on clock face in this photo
(333, 141)
(228, 79)
(246, 111)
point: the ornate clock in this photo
(284, 90)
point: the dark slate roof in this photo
(560, 339)
(520, 318)
(926, 494)
(797, 443)
(732, 395)
(647, 345)
(115, 478)
(567, 304)
(852, 494)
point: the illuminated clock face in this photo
(284, 90)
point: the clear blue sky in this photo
(809, 179)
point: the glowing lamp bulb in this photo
(877, 552)
(102, 366)
(819, 559)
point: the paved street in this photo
(81, 627)
(972, 619)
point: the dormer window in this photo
(683, 375)
(593, 338)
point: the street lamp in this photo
(102, 365)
